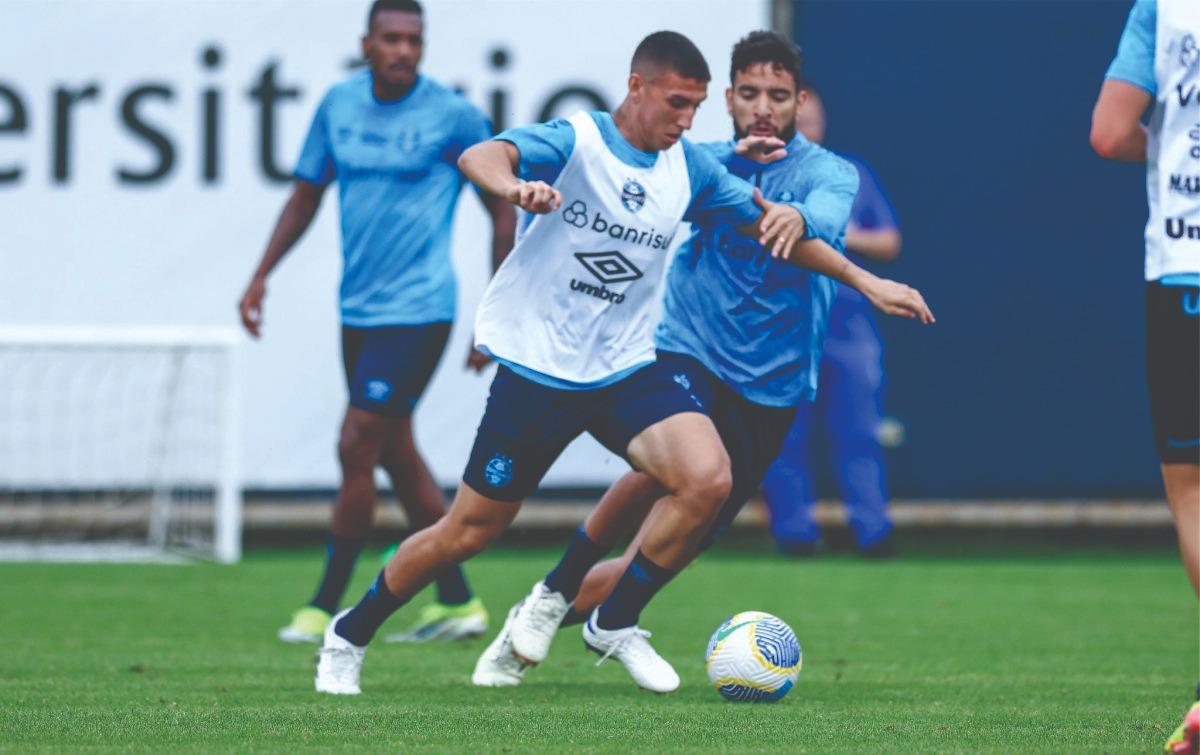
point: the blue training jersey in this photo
(757, 322)
(396, 168)
(716, 195)
(872, 211)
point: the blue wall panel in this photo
(1027, 245)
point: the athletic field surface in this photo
(1089, 650)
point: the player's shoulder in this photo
(355, 87)
(815, 159)
(719, 151)
(446, 97)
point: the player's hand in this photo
(781, 225)
(894, 298)
(251, 306)
(477, 360)
(535, 196)
(761, 149)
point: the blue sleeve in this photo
(826, 207)
(544, 148)
(470, 128)
(718, 196)
(872, 210)
(315, 164)
(1135, 52)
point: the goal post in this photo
(120, 441)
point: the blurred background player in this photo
(391, 138)
(848, 405)
(740, 329)
(1157, 67)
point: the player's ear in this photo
(729, 99)
(366, 47)
(636, 85)
(801, 98)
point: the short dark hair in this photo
(766, 47)
(807, 85)
(408, 6)
(670, 49)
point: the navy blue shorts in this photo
(388, 367)
(1173, 370)
(526, 425)
(752, 434)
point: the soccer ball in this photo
(753, 657)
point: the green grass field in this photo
(1087, 651)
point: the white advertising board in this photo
(144, 154)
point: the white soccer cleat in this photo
(538, 618)
(339, 662)
(498, 667)
(629, 646)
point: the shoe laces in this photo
(544, 613)
(632, 640)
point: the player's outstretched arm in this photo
(887, 296)
(492, 166)
(780, 229)
(293, 221)
(1117, 130)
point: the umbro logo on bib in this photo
(609, 267)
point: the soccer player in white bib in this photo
(744, 332)
(390, 138)
(570, 316)
(1157, 68)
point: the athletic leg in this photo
(1183, 496)
(360, 442)
(422, 500)
(685, 455)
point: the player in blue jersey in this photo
(849, 403)
(390, 138)
(1157, 69)
(740, 330)
(570, 318)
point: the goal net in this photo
(119, 444)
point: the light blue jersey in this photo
(396, 168)
(704, 191)
(758, 322)
(1135, 52)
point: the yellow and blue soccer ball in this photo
(753, 657)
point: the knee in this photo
(705, 487)
(468, 540)
(358, 450)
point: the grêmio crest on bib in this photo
(633, 195)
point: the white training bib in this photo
(578, 297)
(1173, 144)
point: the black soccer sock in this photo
(573, 618)
(364, 620)
(452, 589)
(640, 582)
(581, 554)
(340, 555)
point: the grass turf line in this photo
(1075, 653)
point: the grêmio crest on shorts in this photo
(579, 296)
